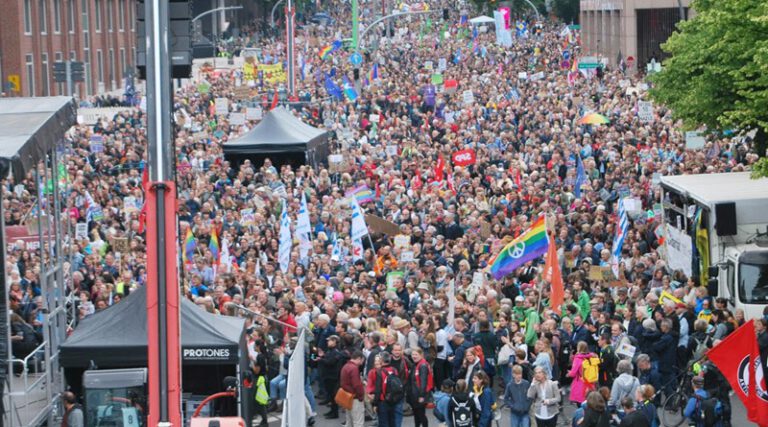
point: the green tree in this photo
(566, 10)
(717, 75)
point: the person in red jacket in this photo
(351, 382)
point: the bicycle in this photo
(674, 405)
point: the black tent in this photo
(117, 337)
(212, 346)
(284, 139)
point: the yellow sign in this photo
(273, 73)
(15, 82)
(249, 71)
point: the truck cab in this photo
(743, 278)
(716, 228)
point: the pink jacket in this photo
(579, 388)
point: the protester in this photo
(352, 383)
(398, 148)
(516, 398)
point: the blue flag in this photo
(580, 177)
(332, 88)
(349, 90)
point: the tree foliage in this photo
(718, 73)
(566, 10)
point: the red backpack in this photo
(430, 379)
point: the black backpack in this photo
(392, 386)
(707, 411)
(462, 413)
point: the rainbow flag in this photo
(189, 247)
(362, 193)
(333, 47)
(528, 246)
(213, 245)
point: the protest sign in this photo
(120, 244)
(236, 119)
(694, 140)
(442, 64)
(81, 231)
(645, 111)
(464, 157)
(402, 241)
(381, 225)
(468, 97)
(437, 79)
(253, 113)
(222, 106)
(407, 256)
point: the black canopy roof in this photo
(117, 336)
(279, 132)
(30, 128)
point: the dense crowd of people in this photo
(612, 349)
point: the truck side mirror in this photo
(713, 271)
(712, 287)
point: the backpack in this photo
(392, 386)
(590, 369)
(707, 411)
(462, 413)
(701, 348)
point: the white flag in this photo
(336, 253)
(357, 250)
(226, 258)
(302, 220)
(284, 250)
(359, 229)
(304, 246)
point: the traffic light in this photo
(179, 38)
(78, 71)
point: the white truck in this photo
(734, 212)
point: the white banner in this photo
(284, 250)
(303, 226)
(293, 407)
(359, 229)
(679, 250)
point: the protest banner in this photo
(464, 157)
(645, 111)
(381, 225)
(272, 73)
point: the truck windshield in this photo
(753, 283)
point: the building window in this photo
(71, 15)
(84, 5)
(121, 15)
(56, 16)
(111, 65)
(43, 12)
(123, 64)
(72, 55)
(27, 16)
(87, 67)
(100, 65)
(44, 74)
(97, 12)
(58, 57)
(30, 75)
(109, 15)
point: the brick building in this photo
(36, 33)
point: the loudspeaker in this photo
(725, 222)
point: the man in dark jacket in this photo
(516, 397)
(387, 412)
(352, 383)
(330, 364)
(632, 418)
(608, 361)
(647, 375)
(460, 346)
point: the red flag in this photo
(145, 187)
(416, 181)
(274, 102)
(451, 184)
(553, 276)
(440, 169)
(738, 359)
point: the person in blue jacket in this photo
(516, 398)
(693, 407)
(483, 397)
(442, 398)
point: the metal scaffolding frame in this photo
(34, 398)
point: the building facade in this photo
(632, 30)
(34, 34)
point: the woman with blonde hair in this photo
(546, 399)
